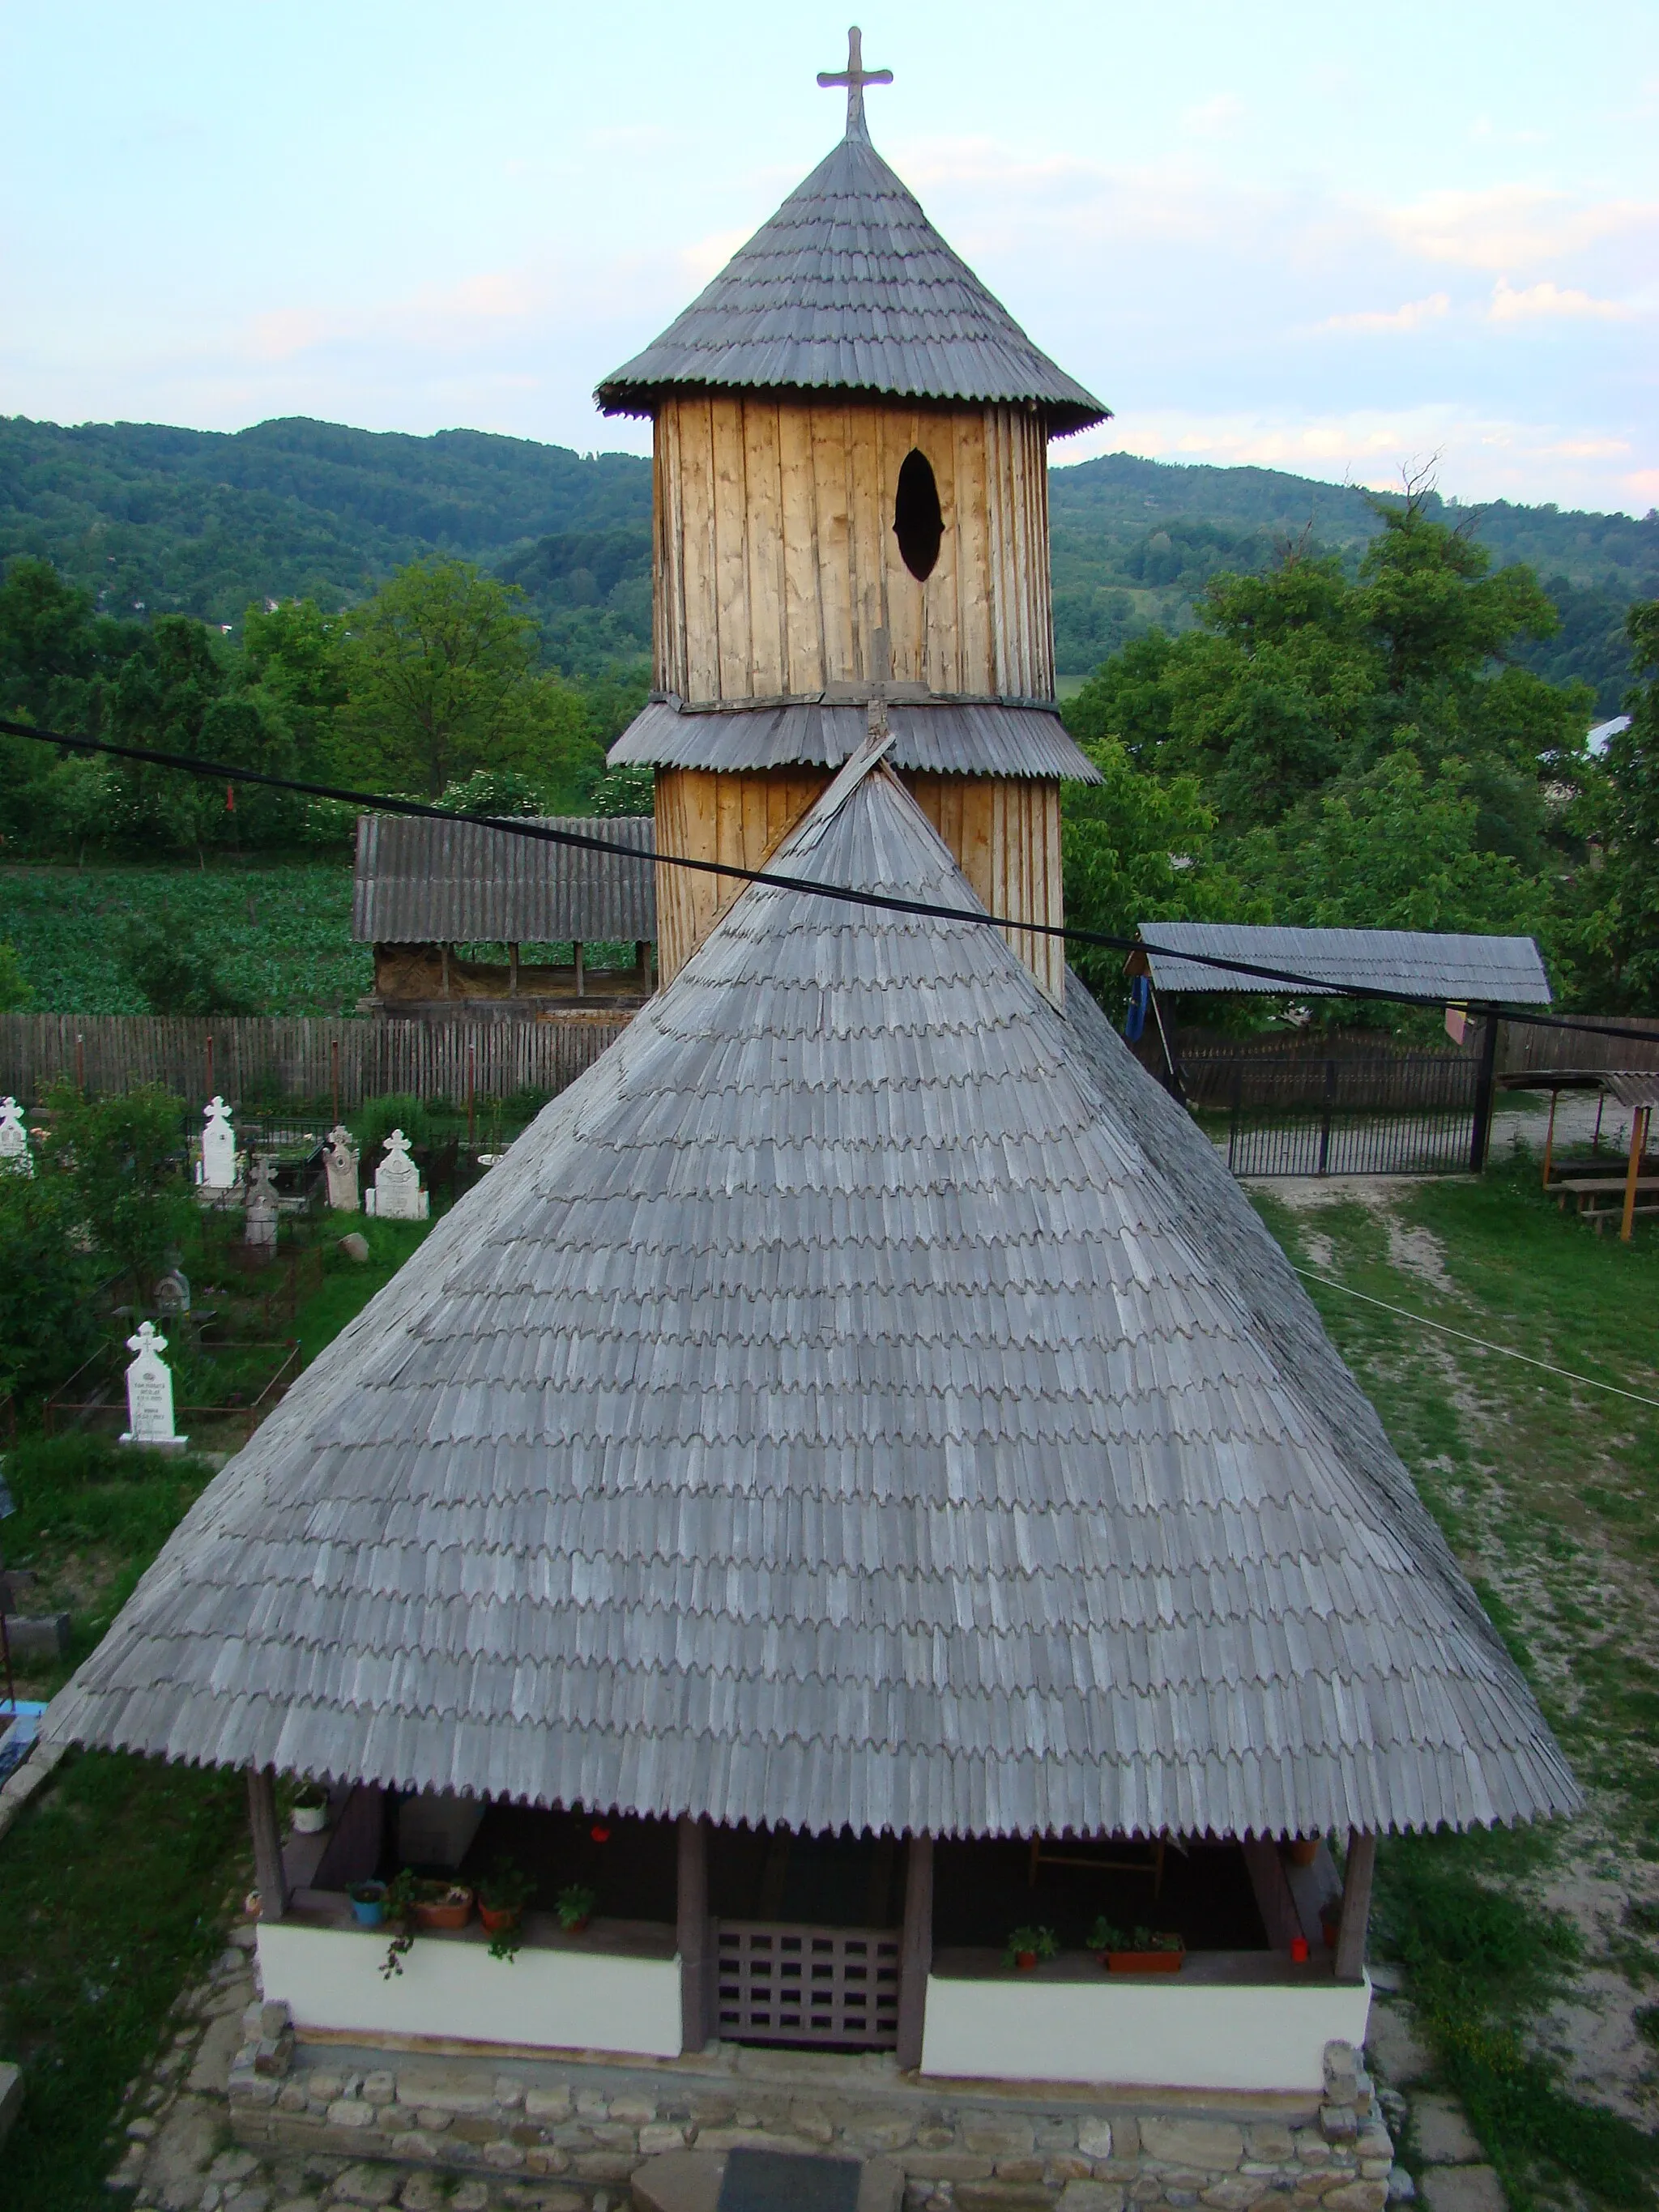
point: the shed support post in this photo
(1485, 1083)
(916, 1949)
(267, 1842)
(582, 979)
(1356, 1906)
(513, 971)
(1638, 1145)
(692, 1933)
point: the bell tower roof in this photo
(849, 287)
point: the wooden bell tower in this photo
(851, 514)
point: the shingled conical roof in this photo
(859, 1398)
(849, 287)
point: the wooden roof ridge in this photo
(849, 287)
(862, 1397)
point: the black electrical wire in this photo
(887, 902)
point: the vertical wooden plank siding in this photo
(1004, 833)
(294, 1058)
(776, 559)
(916, 1951)
(741, 819)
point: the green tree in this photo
(48, 1278)
(1393, 849)
(295, 655)
(1138, 847)
(1614, 911)
(122, 1157)
(437, 666)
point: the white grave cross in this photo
(150, 1393)
(217, 1168)
(14, 1154)
(343, 1195)
(397, 1195)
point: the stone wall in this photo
(587, 2126)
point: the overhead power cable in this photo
(1566, 1374)
(887, 902)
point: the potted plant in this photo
(1303, 1850)
(1027, 1945)
(442, 1904)
(397, 1909)
(1142, 1951)
(503, 1894)
(368, 1902)
(574, 1906)
(310, 1809)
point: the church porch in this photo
(707, 1939)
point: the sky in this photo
(1343, 241)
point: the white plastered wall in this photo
(1162, 2033)
(564, 2000)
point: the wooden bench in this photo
(1599, 1198)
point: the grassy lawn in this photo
(280, 933)
(1531, 1952)
(119, 1879)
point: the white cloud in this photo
(1513, 226)
(1548, 301)
(1410, 317)
(1209, 119)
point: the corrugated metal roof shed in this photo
(423, 882)
(959, 738)
(1424, 964)
(858, 1398)
(849, 287)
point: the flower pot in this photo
(310, 1820)
(1303, 1850)
(575, 1926)
(1025, 1961)
(368, 1903)
(453, 1908)
(1144, 1962)
(498, 1918)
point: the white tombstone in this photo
(397, 1195)
(149, 1394)
(217, 1168)
(342, 1159)
(259, 1218)
(15, 1157)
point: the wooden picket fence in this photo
(263, 1058)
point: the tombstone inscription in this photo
(397, 1195)
(149, 1394)
(217, 1168)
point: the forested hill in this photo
(204, 522)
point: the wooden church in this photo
(857, 1502)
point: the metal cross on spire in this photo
(856, 76)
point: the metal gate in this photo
(1381, 1114)
(779, 1983)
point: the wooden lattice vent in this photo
(779, 1983)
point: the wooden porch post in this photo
(1355, 1907)
(267, 1842)
(916, 1951)
(691, 1915)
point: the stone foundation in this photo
(580, 2128)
